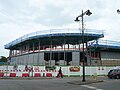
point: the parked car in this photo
(114, 73)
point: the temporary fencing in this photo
(42, 72)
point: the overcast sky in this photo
(20, 17)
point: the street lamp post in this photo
(77, 20)
(118, 11)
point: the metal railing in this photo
(52, 31)
(106, 43)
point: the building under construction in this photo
(63, 47)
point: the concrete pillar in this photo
(75, 58)
(41, 59)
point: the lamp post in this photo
(118, 11)
(77, 20)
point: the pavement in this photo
(88, 80)
(25, 78)
(85, 82)
(70, 80)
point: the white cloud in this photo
(21, 17)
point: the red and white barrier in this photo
(40, 71)
(37, 75)
(48, 74)
(12, 74)
(1, 74)
(25, 74)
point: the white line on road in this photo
(91, 87)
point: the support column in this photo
(64, 51)
(33, 47)
(88, 61)
(10, 55)
(90, 56)
(100, 58)
(68, 46)
(39, 45)
(50, 50)
(79, 52)
(38, 52)
(75, 58)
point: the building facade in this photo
(59, 47)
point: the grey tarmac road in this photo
(58, 84)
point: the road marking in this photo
(91, 87)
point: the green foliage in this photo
(3, 59)
(50, 67)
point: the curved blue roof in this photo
(56, 32)
(106, 44)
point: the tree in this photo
(3, 59)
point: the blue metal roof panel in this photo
(106, 44)
(55, 32)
